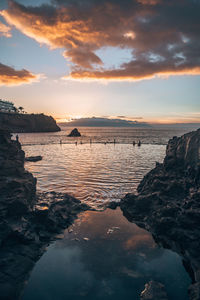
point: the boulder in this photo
(33, 158)
(74, 133)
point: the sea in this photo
(102, 255)
(100, 166)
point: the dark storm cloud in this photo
(162, 34)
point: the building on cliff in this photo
(7, 106)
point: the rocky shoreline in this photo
(15, 122)
(168, 204)
(29, 221)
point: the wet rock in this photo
(33, 158)
(24, 239)
(168, 203)
(194, 291)
(113, 205)
(74, 133)
(154, 291)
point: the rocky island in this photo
(18, 122)
(168, 203)
(29, 221)
(74, 133)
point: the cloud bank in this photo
(163, 35)
(10, 76)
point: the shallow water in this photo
(114, 263)
(94, 173)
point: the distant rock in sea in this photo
(15, 122)
(168, 203)
(74, 133)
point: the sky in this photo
(130, 59)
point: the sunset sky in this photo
(134, 59)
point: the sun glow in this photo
(68, 118)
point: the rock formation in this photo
(17, 186)
(154, 291)
(33, 158)
(74, 133)
(28, 221)
(168, 203)
(15, 122)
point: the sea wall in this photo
(15, 122)
(168, 203)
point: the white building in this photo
(7, 106)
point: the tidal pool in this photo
(103, 256)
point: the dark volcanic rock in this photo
(154, 291)
(24, 239)
(28, 122)
(74, 133)
(28, 221)
(33, 158)
(168, 203)
(17, 186)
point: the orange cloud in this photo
(163, 41)
(130, 75)
(5, 30)
(10, 76)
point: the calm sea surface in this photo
(99, 171)
(102, 256)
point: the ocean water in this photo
(102, 256)
(126, 135)
(99, 171)
(94, 173)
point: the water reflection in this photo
(103, 256)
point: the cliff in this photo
(17, 186)
(168, 203)
(28, 122)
